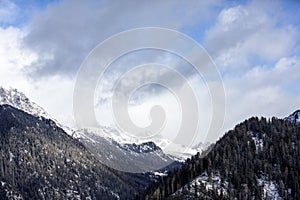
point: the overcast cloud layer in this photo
(254, 44)
(66, 32)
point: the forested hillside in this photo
(259, 159)
(40, 161)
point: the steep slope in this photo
(116, 138)
(19, 100)
(259, 159)
(129, 157)
(40, 161)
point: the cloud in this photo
(263, 91)
(63, 34)
(13, 57)
(143, 59)
(245, 35)
(66, 32)
(53, 93)
(254, 46)
(140, 112)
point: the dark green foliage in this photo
(40, 161)
(241, 163)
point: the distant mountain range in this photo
(18, 100)
(41, 159)
(129, 157)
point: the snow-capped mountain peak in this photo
(17, 99)
(294, 117)
(176, 151)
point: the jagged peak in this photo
(145, 147)
(19, 100)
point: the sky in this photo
(254, 45)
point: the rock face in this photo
(40, 161)
(18, 100)
(128, 157)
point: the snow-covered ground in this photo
(212, 182)
(179, 152)
(17, 99)
(259, 142)
(270, 190)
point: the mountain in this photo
(180, 152)
(40, 161)
(130, 157)
(19, 100)
(294, 117)
(121, 150)
(258, 159)
(175, 152)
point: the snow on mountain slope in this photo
(259, 142)
(177, 152)
(52, 165)
(129, 157)
(181, 152)
(17, 99)
(204, 183)
(294, 118)
(270, 188)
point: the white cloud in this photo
(285, 70)
(13, 57)
(244, 35)
(140, 112)
(254, 47)
(250, 33)
(54, 93)
(262, 91)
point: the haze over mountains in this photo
(17, 99)
(149, 99)
(258, 159)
